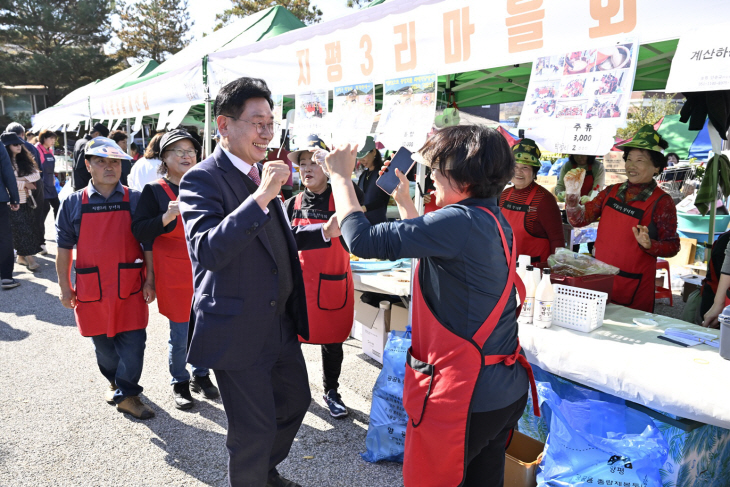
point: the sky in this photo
(203, 12)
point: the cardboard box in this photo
(521, 461)
(548, 182)
(373, 325)
(398, 317)
(686, 254)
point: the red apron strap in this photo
(530, 196)
(167, 189)
(298, 201)
(510, 360)
(481, 336)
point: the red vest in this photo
(110, 270)
(173, 270)
(327, 283)
(440, 378)
(516, 214)
(616, 245)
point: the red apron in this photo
(527, 244)
(327, 282)
(616, 245)
(440, 378)
(173, 270)
(108, 277)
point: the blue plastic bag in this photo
(544, 168)
(557, 166)
(593, 442)
(386, 436)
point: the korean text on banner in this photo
(576, 100)
(353, 113)
(702, 61)
(311, 116)
(409, 109)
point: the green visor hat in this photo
(646, 138)
(526, 152)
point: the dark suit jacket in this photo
(234, 272)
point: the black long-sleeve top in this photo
(376, 200)
(147, 222)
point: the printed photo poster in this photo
(353, 112)
(575, 101)
(409, 109)
(311, 116)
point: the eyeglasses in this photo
(261, 127)
(182, 153)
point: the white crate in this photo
(578, 309)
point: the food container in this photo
(578, 309)
(599, 282)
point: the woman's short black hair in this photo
(377, 161)
(118, 136)
(673, 154)
(481, 162)
(535, 170)
(232, 97)
(658, 159)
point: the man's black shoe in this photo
(204, 383)
(181, 393)
(279, 481)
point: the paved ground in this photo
(56, 428)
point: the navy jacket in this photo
(8, 184)
(234, 272)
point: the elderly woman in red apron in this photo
(530, 209)
(157, 220)
(638, 221)
(466, 379)
(327, 275)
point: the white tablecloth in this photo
(630, 362)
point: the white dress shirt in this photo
(143, 171)
(245, 168)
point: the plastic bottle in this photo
(529, 301)
(536, 276)
(544, 297)
(524, 260)
(522, 273)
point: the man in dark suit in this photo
(249, 302)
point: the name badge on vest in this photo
(311, 214)
(508, 205)
(626, 209)
(105, 207)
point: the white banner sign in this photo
(450, 36)
(575, 101)
(166, 92)
(409, 108)
(702, 61)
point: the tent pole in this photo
(716, 141)
(206, 130)
(129, 138)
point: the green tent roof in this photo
(509, 83)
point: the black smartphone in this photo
(403, 160)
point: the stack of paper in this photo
(696, 337)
